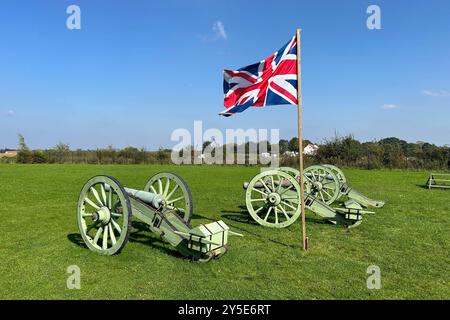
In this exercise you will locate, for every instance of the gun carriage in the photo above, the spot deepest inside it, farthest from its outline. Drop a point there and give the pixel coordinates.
(106, 208)
(273, 196)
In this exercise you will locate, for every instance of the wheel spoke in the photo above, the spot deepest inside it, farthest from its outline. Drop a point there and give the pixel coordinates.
(160, 187)
(116, 225)
(321, 196)
(110, 195)
(92, 226)
(96, 196)
(92, 204)
(172, 192)
(268, 212)
(289, 198)
(258, 199)
(276, 215)
(263, 193)
(105, 239)
(97, 235)
(280, 185)
(265, 186)
(284, 211)
(273, 183)
(286, 189)
(329, 195)
(288, 205)
(308, 178)
(153, 190)
(175, 200)
(111, 233)
(116, 215)
(102, 189)
(259, 209)
(86, 214)
(166, 189)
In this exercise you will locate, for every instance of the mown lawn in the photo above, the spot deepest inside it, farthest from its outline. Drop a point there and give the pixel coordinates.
(408, 239)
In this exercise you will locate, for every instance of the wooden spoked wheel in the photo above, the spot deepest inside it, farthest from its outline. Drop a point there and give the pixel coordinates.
(322, 184)
(174, 191)
(272, 199)
(291, 171)
(104, 215)
(338, 172)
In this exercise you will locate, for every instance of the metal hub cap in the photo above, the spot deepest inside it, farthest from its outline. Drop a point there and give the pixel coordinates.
(274, 199)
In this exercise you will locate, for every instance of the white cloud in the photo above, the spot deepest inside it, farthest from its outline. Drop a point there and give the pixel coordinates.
(219, 30)
(9, 113)
(390, 106)
(441, 93)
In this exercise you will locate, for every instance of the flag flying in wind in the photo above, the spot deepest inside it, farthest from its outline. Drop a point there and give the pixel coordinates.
(273, 81)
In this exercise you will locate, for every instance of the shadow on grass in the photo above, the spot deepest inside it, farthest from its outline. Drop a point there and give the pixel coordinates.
(140, 233)
(422, 186)
(77, 239)
(243, 217)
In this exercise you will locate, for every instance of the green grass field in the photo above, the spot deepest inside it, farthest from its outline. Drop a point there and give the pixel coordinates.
(408, 239)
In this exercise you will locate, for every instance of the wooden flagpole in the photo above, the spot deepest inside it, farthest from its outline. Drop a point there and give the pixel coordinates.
(300, 140)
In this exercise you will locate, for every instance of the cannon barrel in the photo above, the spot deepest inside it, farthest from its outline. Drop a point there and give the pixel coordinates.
(150, 198)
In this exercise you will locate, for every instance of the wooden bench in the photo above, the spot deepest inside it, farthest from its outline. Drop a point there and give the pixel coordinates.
(439, 180)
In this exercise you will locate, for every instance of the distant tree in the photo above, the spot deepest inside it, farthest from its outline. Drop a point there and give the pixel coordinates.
(283, 146)
(293, 144)
(350, 149)
(162, 156)
(62, 152)
(24, 155)
(39, 157)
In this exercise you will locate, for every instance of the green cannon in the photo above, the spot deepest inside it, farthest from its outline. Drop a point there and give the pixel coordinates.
(273, 200)
(106, 208)
(273, 196)
(328, 183)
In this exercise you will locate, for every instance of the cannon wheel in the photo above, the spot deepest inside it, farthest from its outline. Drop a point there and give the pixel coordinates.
(295, 173)
(338, 172)
(271, 204)
(291, 171)
(104, 215)
(332, 191)
(322, 183)
(174, 191)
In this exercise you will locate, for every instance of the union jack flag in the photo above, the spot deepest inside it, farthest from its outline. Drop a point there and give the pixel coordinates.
(272, 81)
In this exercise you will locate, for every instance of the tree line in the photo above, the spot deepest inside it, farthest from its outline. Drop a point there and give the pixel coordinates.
(62, 153)
(343, 151)
(392, 153)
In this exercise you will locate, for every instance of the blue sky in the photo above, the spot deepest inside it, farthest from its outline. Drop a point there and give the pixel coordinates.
(139, 69)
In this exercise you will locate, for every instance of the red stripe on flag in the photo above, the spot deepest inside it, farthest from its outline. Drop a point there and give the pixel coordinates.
(284, 92)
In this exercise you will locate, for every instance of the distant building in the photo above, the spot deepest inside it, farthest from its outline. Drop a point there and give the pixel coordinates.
(311, 149)
(8, 154)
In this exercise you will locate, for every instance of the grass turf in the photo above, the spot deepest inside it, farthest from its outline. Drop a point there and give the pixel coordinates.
(408, 239)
